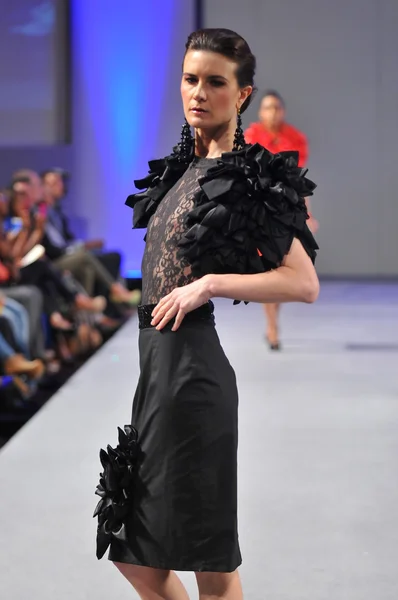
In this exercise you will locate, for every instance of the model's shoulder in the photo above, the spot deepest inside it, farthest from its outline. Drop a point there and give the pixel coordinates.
(162, 175)
(249, 208)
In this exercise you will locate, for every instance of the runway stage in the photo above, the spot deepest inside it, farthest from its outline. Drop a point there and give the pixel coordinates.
(318, 466)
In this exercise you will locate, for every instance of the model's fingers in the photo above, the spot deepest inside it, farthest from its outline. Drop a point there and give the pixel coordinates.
(160, 305)
(158, 316)
(178, 320)
(167, 317)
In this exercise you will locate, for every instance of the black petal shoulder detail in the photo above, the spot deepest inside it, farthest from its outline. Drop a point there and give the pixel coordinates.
(163, 174)
(116, 488)
(248, 211)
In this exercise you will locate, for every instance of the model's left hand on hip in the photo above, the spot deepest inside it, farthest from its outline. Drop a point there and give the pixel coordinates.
(179, 302)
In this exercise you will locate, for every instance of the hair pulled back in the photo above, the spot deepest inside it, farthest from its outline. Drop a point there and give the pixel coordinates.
(232, 46)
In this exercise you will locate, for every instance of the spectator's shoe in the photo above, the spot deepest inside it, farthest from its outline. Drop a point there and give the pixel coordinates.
(120, 295)
(106, 323)
(59, 323)
(18, 365)
(22, 386)
(96, 305)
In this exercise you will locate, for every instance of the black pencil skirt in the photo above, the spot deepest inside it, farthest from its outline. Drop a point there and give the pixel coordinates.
(182, 510)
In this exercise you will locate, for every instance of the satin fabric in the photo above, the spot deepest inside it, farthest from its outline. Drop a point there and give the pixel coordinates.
(183, 515)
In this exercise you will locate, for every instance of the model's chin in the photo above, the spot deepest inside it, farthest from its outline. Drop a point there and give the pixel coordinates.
(198, 120)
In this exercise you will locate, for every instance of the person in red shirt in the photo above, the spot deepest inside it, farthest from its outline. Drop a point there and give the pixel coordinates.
(276, 135)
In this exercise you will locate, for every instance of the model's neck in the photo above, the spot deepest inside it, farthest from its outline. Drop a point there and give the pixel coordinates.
(273, 129)
(211, 144)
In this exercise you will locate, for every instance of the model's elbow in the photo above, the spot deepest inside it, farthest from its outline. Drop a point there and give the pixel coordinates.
(310, 289)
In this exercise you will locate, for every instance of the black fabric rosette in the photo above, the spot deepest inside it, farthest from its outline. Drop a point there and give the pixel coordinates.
(116, 488)
(163, 174)
(250, 207)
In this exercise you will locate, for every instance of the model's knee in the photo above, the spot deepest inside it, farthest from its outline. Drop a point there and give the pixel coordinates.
(144, 579)
(219, 585)
(129, 571)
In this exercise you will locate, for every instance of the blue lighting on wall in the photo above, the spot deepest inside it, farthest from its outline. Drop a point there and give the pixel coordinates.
(122, 61)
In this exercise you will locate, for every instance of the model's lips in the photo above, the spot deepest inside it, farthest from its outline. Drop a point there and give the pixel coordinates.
(198, 110)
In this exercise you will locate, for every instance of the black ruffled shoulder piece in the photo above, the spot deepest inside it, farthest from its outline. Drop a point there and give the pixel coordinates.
(247, 213)
(163, 174)
(116, 488)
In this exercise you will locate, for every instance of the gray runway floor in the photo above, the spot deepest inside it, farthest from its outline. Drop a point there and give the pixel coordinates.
(318, 461)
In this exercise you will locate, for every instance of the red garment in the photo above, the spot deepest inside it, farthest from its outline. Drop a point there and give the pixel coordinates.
(4, 273)
(287, 138)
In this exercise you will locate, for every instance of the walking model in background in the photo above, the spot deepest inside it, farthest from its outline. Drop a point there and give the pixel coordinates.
(273, 133)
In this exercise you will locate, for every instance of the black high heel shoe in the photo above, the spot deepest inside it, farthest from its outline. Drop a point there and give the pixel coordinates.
(273, 345)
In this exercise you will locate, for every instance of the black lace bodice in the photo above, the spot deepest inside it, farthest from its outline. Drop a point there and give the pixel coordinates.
(236, 214)
(163, 267)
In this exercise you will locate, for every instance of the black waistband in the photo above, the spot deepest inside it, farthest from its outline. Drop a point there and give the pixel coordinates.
(204, 313)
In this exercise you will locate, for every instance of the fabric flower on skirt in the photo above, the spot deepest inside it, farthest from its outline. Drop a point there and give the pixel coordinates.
(116, 488)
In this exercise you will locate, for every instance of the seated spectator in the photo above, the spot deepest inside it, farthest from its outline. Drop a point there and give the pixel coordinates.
(73, 257)
(17, 316)
(28, 296)
(55, 184)
(31, 299)
(58, 296)
(58, 232)
(12, 359)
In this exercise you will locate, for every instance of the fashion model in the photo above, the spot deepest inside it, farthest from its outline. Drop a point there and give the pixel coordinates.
(224, 219)
(274, 133)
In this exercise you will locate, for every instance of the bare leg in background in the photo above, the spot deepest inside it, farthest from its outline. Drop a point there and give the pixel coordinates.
(272, 317)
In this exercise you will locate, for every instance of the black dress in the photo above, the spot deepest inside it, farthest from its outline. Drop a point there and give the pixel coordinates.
(169, 489)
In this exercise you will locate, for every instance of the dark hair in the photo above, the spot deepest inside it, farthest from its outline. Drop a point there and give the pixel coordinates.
(65, 176)
(274, 94)
(56, 171)
(22, 176)
(19, 179)
(232, 46)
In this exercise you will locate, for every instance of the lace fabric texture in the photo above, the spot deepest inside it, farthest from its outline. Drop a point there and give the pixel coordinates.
(163, 267)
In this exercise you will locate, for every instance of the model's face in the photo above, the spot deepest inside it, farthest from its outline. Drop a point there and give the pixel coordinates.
(209, 89)
(55, 185)
(272, 113)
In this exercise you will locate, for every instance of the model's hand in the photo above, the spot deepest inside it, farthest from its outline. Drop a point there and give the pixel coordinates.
(179, 302)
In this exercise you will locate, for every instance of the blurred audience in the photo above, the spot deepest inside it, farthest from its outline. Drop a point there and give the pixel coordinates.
(58, 295)
(60, 242)
(15, 341)
(61, 247)
(39, 271)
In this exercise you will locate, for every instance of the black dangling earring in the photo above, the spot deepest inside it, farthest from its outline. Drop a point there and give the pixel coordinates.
(239, 139)
(187, 143)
